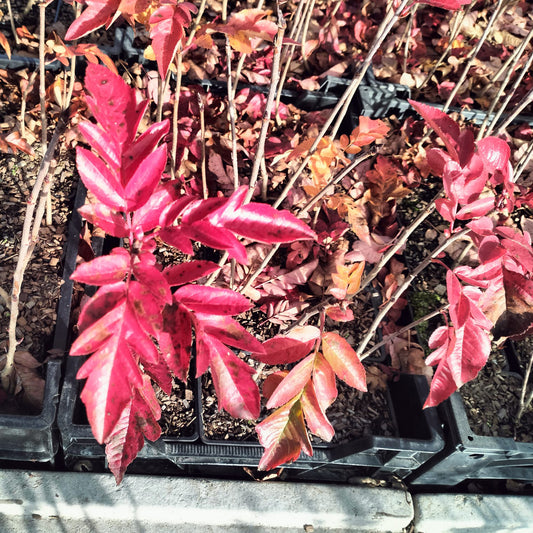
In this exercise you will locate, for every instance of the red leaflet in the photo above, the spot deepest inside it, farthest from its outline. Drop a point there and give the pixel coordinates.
(109, 220)
(103, 143)
(148, 216)
(186, 272)
(111, 373)
(138, 420)
(289, 348)
(114, 104)
(263, 223)
(229, 331)
(107, 297)
(104, 270)
(212, 300)
(97, 13)
(283, 435)
(152, 278)
(143, 183)
(237, 392)
(446, 128)
(100, 180)
(176, 339)
(324, 382)
(168, 22)
(344, 361)
(445, 4)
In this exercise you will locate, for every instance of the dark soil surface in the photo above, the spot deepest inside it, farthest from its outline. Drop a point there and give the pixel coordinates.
(492, 402)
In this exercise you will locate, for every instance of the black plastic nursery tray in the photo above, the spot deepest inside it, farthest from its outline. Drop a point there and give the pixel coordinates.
(471, 456)
(419, 438)
(35, 438)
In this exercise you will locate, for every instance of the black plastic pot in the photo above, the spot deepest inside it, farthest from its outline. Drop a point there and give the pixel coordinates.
(379, 99)
(471, 456)
(35, 438)
(16, 62)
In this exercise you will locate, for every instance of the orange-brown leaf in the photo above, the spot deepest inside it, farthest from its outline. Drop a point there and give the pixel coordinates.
(5, 44)
(344, 361)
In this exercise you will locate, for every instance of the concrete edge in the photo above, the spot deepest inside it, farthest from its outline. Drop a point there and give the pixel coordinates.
(83, 502)
(466, 513)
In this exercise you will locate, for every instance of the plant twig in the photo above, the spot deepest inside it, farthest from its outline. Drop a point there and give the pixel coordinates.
(495, 14)
(28, 241)
(205, 192)
(274, 79)
(412, 325)
(407, 36)
(525, 403)
(518, 109)
(516, 84)
(12, 22)
(457, 25)
(175, 116)
(344, 100)
(23, 103)
(526, 158)
(400, 241)
(402, 288)
(42, 98)
(197, 20)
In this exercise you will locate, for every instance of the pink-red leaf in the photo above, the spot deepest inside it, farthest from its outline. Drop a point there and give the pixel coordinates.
(289, 348)
(315, 416)
(263, 223)
(146, 177)
(100, 180)
(110, 221)
(102, 142)
(187, 272)
(176, 339)
(114, 104)
(237, 392)
(228, 331)
(324, 382)
(104, 270)
(344, 361)
(111, 374)
(137, 421)
(168, 23)
(212, 300)
(97, 13)
(446, 128)
(106, 298)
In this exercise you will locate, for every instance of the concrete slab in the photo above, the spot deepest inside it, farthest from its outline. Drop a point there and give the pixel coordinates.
(473, 513)
(50, 502)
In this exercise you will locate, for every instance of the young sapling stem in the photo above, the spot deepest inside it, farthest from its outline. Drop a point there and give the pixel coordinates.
(274, 79)
(175, 115)
(412, 325)
(29, 237)
(525, 403)
(403, 287)
(516, 84)
(205, 191)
